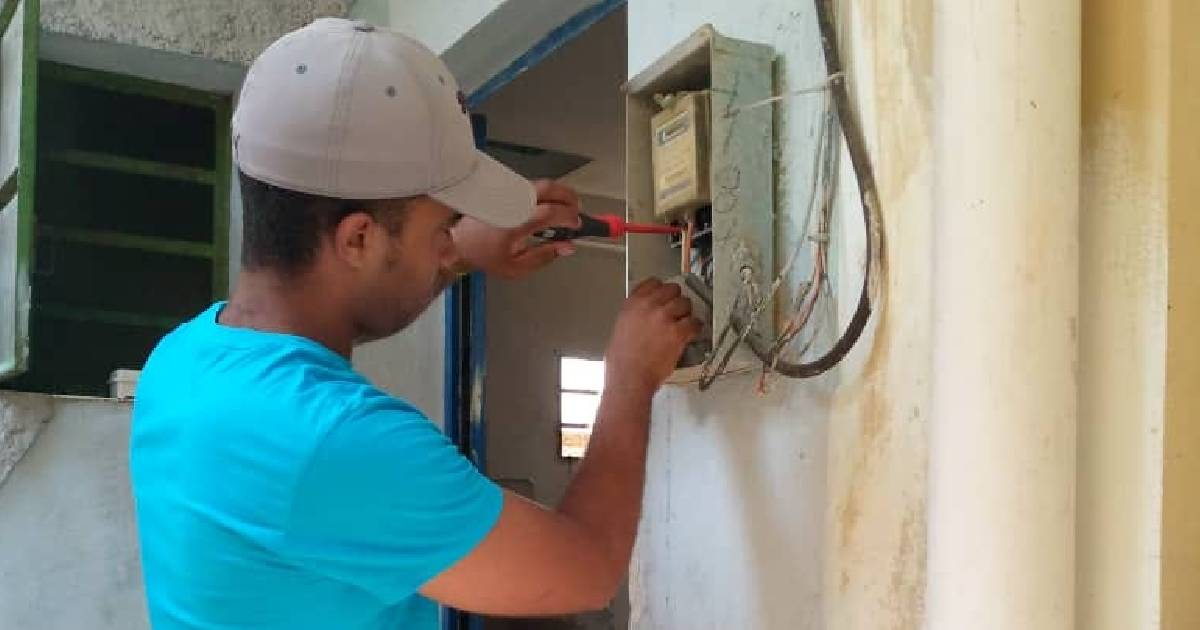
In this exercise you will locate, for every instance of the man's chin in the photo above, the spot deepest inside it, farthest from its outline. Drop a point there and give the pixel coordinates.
(379, 335)
(393, 327)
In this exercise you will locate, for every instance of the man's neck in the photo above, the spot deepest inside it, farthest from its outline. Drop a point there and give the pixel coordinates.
(265, 301)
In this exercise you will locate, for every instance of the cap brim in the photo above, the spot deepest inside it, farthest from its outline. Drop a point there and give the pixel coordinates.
(493, 194)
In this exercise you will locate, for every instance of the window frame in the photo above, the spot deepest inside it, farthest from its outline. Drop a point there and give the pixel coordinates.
(18, 187)
(218, 177)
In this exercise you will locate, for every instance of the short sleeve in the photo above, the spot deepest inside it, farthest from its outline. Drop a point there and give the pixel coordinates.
(387, 502)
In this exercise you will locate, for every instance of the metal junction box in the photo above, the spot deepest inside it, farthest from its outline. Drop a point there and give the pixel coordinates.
(687, 122)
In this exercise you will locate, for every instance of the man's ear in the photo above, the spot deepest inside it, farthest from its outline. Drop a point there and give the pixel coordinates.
(353, 237)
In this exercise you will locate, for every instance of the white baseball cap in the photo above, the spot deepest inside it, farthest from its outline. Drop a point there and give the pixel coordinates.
(347, 110)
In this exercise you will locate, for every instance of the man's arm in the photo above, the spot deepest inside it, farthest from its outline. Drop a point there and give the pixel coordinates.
(538, 561)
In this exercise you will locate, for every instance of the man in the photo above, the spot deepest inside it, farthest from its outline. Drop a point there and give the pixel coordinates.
(275, 487)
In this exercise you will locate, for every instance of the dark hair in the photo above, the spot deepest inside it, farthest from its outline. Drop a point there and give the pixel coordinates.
(282, 229)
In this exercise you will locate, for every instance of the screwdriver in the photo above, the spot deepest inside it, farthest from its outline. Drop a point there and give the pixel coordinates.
(604, 226)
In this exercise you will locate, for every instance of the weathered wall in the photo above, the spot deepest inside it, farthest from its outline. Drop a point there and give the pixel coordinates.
(805, 508)
(1138, 521)
(876, 529)
(68, 544)
(226, 30)
(1138, 96)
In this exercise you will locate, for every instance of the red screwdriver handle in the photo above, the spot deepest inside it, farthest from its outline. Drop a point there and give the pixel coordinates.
(605, 226)
(618, 227)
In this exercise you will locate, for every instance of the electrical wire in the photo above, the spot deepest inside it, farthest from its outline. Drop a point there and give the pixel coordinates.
(820, 201)
(824, 180)
(820, 87)
(868, 194)
(770, 351)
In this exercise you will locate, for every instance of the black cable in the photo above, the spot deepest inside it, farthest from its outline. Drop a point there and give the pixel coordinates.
(856, 146)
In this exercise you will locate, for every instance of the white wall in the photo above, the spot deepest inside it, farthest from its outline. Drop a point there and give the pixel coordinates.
(68, 545)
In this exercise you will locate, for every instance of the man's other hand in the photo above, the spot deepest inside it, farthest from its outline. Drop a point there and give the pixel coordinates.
(507, 253)
(652, 330)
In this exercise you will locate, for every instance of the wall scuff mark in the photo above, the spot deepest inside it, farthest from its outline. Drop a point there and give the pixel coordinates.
(22, 417)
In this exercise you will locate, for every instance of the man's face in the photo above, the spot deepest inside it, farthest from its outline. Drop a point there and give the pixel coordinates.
(403, 270)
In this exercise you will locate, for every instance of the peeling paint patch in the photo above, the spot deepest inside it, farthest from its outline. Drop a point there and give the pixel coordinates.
(872, 426)
(873, 407)
(906, 598)
(877, 578)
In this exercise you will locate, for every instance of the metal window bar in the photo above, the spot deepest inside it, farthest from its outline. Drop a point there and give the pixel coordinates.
(174, 247)
(132, 166)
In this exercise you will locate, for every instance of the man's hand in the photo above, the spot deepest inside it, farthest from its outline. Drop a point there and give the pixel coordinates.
(507, 253)
(651, 332)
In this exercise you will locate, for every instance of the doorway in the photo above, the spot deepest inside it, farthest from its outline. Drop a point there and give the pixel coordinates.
(561, 119)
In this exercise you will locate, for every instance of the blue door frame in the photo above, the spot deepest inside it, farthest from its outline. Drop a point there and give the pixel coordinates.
(466, 300)
(466, 341)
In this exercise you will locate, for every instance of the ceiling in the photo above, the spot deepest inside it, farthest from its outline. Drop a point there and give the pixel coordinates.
(572, 102)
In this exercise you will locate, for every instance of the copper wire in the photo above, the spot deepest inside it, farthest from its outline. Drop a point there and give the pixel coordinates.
(685, 265)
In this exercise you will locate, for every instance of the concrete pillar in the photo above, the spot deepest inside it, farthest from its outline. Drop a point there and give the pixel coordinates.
(1005, 303)
(1181, 496)
(1123, 308)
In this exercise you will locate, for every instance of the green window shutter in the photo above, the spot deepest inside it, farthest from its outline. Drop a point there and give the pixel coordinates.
(18, 158)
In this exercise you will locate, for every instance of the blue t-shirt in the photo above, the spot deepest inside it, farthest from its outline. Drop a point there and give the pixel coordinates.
(276, 488)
